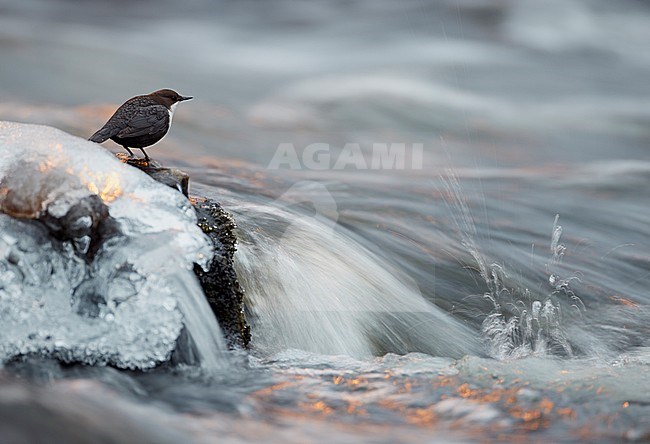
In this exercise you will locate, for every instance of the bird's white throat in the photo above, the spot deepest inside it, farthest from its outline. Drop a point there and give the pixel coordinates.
(172, 109)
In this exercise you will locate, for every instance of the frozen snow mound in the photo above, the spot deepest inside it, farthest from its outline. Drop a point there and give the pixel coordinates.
(95, 257)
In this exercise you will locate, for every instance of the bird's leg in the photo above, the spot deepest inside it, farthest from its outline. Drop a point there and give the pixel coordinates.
(130, 152)
(145, 154)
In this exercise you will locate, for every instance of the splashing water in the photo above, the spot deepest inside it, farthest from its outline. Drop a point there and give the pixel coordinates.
(311, 286)
(520, 323)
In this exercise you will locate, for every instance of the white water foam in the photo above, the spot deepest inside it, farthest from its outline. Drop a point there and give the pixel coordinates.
(311, 286)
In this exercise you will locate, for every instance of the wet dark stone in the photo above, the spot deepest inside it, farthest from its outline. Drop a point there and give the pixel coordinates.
(172, 177)
(88, 299)
(87, 224)
(220, 283)
(185, 351)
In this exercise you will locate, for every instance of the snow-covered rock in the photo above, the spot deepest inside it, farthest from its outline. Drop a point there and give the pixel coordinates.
(96, 257)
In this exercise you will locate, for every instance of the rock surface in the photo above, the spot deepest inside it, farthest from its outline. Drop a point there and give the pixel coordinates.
(87, 224)
(96, 258)
(219, 282)
(172, 177)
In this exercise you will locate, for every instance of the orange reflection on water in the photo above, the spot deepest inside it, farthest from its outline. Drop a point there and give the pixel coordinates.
(269, 390)
(316, 407)
(355, 408)
(624, 301)
(567, 412)
(420, 417)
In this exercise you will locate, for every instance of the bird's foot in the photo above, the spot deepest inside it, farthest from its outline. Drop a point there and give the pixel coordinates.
(123, 157)
(132, 160)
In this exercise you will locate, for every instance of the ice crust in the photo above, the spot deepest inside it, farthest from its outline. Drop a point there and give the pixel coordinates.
(127, 305)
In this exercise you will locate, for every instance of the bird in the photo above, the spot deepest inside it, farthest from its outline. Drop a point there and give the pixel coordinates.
(141, 121)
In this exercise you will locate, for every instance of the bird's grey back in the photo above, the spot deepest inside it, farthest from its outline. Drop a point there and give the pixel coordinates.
(130, 110)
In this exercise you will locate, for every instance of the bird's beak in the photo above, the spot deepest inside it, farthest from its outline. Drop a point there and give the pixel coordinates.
(186, 98)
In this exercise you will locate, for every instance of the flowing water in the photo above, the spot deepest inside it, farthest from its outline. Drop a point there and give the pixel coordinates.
(499, 292)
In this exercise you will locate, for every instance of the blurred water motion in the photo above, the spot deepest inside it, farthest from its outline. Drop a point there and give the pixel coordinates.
(502, 82)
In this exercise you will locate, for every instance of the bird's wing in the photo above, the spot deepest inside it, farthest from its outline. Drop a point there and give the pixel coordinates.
(118, 120)
(105, 133)
(147, 120)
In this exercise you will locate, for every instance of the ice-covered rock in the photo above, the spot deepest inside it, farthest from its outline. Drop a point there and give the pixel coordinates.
(96, 258)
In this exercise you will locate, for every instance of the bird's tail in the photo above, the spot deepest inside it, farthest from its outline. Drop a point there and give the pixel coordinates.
(100, 136)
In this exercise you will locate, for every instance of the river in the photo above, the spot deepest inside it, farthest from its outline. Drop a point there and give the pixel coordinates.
(492, 286)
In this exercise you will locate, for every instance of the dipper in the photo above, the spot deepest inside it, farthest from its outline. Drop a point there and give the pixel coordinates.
(141, 121)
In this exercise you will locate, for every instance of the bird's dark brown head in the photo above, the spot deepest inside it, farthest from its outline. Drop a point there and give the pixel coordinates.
(168, 97)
